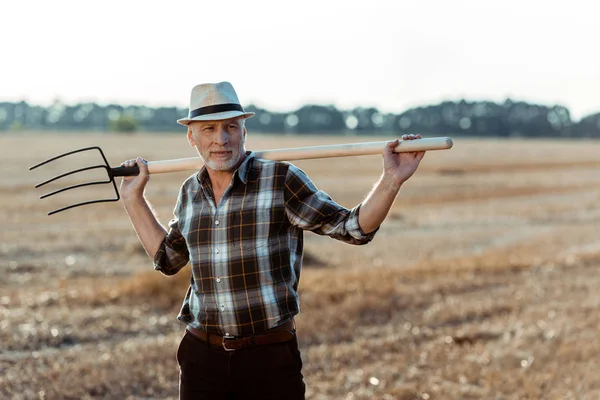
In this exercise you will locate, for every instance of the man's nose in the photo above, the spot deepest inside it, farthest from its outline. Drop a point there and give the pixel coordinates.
(221, 136)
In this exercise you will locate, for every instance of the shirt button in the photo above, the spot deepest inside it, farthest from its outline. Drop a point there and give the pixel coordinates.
(216, 222)
(222, 308)
(217, 251)
(218, 280)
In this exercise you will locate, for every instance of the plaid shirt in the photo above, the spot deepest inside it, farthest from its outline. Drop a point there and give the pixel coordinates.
(246, 254)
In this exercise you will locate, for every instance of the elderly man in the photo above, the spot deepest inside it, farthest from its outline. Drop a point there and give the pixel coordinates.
(239, 223)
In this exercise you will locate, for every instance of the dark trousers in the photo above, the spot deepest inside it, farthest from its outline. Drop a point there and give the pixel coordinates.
(266, 372)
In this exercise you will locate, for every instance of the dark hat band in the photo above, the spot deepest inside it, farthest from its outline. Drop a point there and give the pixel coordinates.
(215, 109)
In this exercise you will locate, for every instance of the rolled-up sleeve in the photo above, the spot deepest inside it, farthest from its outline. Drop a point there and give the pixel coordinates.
(311, 209)
(173, 253)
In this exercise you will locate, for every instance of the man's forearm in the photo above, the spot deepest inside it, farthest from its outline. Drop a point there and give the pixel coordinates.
(377, 204)
(149, 230)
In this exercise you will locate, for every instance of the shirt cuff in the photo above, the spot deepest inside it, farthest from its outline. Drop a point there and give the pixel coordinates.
(353, 228)
(160, 257)
(167, 261)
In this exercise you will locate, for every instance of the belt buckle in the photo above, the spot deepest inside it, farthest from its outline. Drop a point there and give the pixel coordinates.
(225, 339)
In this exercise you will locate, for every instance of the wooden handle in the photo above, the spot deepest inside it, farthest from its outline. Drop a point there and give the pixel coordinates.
(306, 153)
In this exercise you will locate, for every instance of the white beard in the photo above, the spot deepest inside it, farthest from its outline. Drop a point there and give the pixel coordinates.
(229, 164)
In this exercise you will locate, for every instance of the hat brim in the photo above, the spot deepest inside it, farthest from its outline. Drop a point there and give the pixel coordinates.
(216, 117)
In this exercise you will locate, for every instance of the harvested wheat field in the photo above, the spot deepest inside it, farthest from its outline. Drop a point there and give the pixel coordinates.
(481, 284)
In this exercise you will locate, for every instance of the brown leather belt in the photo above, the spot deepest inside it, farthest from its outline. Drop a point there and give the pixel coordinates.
(279, 334)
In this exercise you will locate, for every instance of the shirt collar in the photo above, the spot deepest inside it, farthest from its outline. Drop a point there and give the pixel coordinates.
(245, 166)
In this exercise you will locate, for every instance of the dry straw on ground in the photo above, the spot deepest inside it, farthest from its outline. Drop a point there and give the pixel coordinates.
(482, 283)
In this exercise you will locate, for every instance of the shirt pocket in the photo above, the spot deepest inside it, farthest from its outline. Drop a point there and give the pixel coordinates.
(251, 229)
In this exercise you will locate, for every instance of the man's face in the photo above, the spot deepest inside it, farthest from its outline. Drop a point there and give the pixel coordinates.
(221, 144)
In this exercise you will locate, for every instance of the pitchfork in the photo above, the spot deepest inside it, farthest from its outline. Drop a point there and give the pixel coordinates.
(195, 163)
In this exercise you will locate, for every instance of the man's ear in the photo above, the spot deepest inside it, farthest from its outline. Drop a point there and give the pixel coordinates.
(190, 137)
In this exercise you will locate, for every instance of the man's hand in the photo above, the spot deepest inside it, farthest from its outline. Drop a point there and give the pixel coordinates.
(132, 187)
(400, 166)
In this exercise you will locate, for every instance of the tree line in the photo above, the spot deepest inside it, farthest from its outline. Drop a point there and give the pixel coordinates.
(471, 118)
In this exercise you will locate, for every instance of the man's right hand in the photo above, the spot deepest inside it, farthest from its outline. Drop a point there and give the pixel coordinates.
(132, 187)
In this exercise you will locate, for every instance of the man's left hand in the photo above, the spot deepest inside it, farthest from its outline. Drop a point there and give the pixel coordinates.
(401, 166)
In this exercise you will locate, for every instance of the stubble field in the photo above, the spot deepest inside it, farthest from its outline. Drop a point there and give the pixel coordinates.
(481, 284)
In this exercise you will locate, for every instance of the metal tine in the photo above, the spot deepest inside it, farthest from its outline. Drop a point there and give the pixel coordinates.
(68, 154)
(71, 173)
(82, 204)
(73, 187)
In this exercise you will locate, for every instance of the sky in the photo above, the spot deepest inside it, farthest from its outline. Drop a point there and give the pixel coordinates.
(279, 55)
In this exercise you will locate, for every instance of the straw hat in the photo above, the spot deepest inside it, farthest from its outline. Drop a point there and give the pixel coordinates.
(214, 101)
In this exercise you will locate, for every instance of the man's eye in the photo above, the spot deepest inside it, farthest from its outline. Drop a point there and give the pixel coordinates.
(233, 126)
(208, 129)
